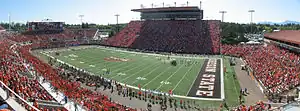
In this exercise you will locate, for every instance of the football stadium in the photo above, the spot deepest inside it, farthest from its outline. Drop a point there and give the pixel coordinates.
(171, 59)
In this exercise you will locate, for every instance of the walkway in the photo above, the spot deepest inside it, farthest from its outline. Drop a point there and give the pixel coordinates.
(246, 82)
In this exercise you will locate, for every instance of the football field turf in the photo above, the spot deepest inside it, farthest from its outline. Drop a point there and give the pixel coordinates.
(150, 71)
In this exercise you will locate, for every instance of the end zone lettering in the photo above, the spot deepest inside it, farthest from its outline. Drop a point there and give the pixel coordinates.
(207, 84)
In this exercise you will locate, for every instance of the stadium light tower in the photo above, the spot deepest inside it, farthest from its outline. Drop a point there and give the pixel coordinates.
(223, 13)
(117, 15)
(81, 17)
(187, 3)
(152, 5)
(200, 5)
(9, 24)
(251, 15)
(175, 4)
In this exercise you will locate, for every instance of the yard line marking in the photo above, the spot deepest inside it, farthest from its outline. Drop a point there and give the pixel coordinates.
(175, 56)
(93, 59)
(129, 69)
(157, 76)
(170, 76)
(125, 67)
(81, 62)
(139, 71)
(147, 74)
(183, 78)
(114, 65)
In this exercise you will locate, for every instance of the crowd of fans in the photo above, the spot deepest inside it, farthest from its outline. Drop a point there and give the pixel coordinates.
(14, 75)
(92, 100)
(126, 36)
(277, 69)
(180, 36)
(214, 31)
(68, 37)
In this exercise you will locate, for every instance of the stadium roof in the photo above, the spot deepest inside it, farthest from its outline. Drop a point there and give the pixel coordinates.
(194, 8)
(291, 36)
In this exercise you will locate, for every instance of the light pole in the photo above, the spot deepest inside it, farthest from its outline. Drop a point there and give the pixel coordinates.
(251, 15)
(81, 18)
(220, 47)
(9, 27)
(223, 13)
(200, 5)
(117, 15)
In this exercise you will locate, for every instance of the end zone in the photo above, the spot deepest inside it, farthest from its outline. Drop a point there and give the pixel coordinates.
(209, 83)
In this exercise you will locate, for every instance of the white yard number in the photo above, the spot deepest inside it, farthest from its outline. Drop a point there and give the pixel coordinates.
(122, 74)
(165, 82)
(140, 78)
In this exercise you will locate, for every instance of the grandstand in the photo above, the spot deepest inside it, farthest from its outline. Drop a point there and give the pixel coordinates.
(171, 29)
(169, 58)
(288, 39)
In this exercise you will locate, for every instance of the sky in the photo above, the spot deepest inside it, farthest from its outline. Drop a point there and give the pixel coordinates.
(103, 11)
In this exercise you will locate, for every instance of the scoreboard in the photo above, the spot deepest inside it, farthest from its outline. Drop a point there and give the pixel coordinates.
(44, 26)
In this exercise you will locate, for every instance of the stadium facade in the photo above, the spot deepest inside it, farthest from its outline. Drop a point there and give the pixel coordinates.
(170, 13)
(170, 29)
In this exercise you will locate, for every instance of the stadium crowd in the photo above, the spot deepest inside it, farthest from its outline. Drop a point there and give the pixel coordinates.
(17, 63)
(72, 89)
(126, 36)
(274, 67)
(13, 74)
(68, 37)
(180, 36)
(277, 69)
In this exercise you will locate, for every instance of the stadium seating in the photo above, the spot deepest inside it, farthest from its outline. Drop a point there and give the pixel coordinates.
(277, 69)
(180, 36)
(214, 31)
(69, 37)
(1, 28)
(13, 74)
(71, 89)
(13, 69)
(126, 36)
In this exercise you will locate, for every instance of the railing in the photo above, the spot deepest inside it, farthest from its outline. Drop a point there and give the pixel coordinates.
(96, 33)
(19, 99)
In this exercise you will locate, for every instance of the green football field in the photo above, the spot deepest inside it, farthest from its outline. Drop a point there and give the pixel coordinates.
(150, 71)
